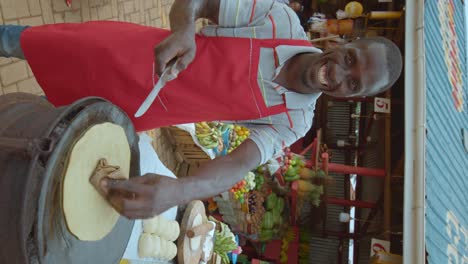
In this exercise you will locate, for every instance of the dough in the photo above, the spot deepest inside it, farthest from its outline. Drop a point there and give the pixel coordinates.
(172, 251)
(158, 246)
(146, 245)
(196, 241)
(88, 215)
(151, 225)
(175, 231)
(158, 225)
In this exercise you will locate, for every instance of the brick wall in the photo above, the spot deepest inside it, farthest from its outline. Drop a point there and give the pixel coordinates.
(15, 75)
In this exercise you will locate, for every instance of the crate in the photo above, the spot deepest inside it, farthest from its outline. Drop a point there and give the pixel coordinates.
(184, 146)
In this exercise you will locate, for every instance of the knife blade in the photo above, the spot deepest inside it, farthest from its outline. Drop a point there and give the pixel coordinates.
(156, 89)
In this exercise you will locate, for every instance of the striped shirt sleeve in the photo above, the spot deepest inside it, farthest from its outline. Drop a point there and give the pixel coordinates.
(271, 139)
(243, 13)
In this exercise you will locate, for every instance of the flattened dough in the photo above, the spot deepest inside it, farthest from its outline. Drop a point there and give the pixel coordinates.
(88, 215)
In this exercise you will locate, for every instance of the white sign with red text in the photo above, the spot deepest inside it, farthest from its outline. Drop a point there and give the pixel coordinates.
(379, 245)
(382, 105)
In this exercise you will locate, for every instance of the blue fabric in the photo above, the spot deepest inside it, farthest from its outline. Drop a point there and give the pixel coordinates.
(10, 41)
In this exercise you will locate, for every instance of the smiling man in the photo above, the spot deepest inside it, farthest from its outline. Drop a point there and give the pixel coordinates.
(254, 67)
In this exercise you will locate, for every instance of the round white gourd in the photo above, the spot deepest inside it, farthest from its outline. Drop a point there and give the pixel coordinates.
(172, 251)
(175, 231)
(151, 225)
(145, 245)
(165, 249)
(157, 249)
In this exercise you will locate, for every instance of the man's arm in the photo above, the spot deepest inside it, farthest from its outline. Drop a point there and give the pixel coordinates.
(184, 13)
(220, 174)
(180, 45)
(151, 194)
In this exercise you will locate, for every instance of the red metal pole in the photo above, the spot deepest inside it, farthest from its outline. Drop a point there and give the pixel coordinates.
(343, 202)
(361, 171)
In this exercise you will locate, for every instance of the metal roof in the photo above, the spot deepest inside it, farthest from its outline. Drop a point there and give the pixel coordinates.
(446, 115)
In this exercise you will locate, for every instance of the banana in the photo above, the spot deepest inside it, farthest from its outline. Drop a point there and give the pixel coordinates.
(212, 145)
(202, 135)
(205, 125)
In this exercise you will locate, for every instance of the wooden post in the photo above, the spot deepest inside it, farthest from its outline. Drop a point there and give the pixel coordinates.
(388, 175)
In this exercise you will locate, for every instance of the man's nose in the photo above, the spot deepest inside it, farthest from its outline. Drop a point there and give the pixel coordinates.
(341, 73)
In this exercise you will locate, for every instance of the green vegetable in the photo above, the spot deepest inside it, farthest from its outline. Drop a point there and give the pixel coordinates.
(271, 201)
(276, 217)
(280, 221)
(292, 178)
(280, 205)
(224, 241)
(292, 171)
(266, 234)
(268, 220)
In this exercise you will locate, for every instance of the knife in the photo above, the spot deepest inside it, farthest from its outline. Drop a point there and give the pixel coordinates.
(165, 77)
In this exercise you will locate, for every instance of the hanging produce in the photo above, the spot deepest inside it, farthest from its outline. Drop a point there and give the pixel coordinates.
(289, 237)
(310, 192)
(210, 135)
(292, 165)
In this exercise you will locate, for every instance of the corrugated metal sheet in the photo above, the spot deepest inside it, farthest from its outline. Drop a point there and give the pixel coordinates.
(325, 250)
(447, 160)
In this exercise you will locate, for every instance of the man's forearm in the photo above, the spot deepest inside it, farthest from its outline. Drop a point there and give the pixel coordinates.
(219, 175)
(184, 13)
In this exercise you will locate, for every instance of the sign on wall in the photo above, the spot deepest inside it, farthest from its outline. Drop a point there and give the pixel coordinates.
(378, 245)
(382, 105)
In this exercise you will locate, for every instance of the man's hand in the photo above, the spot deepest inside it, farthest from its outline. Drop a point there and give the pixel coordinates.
(141, 197)
(180, 47)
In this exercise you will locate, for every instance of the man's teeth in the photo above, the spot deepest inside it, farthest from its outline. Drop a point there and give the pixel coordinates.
(322, 75)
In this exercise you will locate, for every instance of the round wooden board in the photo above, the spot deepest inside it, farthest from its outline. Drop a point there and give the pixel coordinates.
(185, 254)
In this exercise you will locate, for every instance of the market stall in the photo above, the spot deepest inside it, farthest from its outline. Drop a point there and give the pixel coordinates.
(263, 208)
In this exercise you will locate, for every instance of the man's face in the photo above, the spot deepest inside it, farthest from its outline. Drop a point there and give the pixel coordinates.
(352, 69)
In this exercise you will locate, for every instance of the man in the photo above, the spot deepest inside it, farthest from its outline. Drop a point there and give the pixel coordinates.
(254, 67)
(299, 9)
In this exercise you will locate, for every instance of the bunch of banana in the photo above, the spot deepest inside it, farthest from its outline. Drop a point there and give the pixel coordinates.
(289, 236)
(207, 136)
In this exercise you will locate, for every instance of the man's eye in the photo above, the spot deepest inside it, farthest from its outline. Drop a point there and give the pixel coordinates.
(349, 60)
(354, 85)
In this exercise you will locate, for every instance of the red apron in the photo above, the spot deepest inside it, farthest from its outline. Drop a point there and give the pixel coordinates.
(114, 60)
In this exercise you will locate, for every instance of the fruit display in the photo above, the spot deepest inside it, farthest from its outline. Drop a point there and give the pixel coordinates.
(310, 192)
(259, 181)
(225, 241)
(238, 190)
(237, 136)
(210, 135)
(273, 218)
(256, 211)
(250, 181)
(305, 239)
(287, 239)
(244, 186)
(292, 164)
